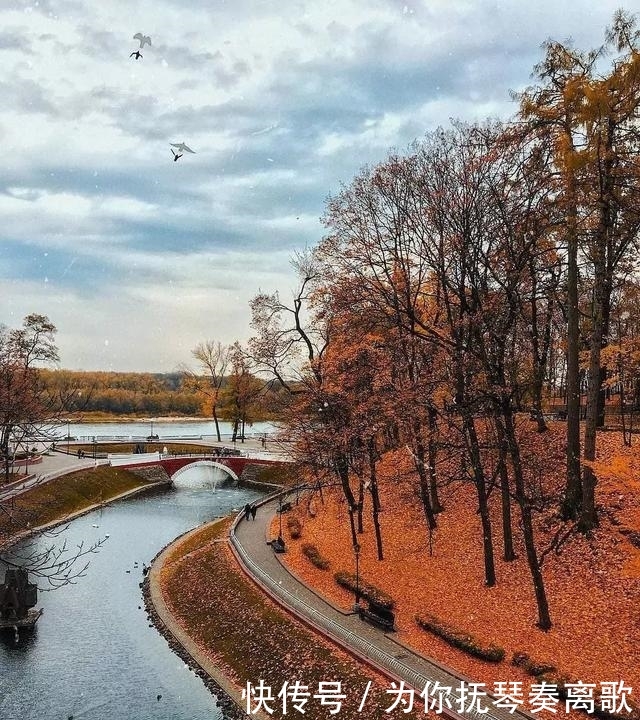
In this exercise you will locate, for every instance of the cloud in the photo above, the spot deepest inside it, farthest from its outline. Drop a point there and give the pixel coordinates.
(282, 103)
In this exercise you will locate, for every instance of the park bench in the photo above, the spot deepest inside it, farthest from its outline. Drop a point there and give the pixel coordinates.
(277, 545)
(286, 506)
(377, 615)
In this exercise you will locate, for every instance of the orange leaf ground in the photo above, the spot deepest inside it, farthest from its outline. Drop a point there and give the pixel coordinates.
(593, 586)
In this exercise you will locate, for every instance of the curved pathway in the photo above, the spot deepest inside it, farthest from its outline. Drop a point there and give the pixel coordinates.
(377, 648)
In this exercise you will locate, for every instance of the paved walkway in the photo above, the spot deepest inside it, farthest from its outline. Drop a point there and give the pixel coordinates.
(380, 649)
(53, 465)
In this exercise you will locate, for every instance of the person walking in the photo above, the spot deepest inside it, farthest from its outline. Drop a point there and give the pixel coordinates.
(247, 511)
(254, 510)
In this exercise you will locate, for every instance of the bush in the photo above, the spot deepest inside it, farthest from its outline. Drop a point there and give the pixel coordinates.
(294, 526)
(531, 667)
(461, 640)
(367, 591)
(311, 551)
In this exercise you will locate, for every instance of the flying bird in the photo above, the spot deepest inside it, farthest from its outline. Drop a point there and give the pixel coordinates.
(182, 147)
(143, 39)
(137, 54)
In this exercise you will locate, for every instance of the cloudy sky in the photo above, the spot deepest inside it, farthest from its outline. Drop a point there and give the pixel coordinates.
(137, 258)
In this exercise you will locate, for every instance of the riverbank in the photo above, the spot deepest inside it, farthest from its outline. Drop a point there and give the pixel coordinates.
(67, 497)
(234, 629)
(227, 694)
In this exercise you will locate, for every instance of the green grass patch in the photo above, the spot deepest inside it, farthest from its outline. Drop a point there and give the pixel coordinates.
(54, 500)
(460, 639)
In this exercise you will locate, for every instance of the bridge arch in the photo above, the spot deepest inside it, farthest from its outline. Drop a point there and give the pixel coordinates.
(206, 463)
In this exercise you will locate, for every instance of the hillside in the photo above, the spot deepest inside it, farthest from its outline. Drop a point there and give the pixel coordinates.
(593, 584)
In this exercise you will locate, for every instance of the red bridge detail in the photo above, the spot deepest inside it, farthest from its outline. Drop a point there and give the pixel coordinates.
(236, 464)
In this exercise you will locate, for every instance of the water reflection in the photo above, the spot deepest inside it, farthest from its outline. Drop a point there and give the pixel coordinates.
(93, 654)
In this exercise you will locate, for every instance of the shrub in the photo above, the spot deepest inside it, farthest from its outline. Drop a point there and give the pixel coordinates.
(531, 667)
(460, 639)
(311, 551)
(367, 591)
(294, 526)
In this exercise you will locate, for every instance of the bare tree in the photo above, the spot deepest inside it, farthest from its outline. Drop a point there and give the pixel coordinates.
(213, 358)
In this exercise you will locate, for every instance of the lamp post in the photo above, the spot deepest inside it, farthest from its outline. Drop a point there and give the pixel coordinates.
(68, 434)
(95, 445)
(280, 513)
(356, 549)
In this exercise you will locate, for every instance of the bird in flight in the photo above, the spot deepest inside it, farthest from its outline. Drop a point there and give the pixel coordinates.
(176, 155)
(137, 54)
(182, 147)
(143, 39)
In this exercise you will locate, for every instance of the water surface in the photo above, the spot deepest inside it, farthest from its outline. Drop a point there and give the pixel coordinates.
(93, 654)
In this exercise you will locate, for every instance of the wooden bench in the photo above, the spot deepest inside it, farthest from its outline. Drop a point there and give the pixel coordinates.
(277, 545)
(378, 616)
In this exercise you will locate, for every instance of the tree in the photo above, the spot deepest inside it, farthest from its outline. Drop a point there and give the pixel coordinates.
(214, 358)
(29, 409)
(25, 406)
(241, 391)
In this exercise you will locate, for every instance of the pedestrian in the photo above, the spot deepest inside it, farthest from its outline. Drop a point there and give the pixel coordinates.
(254, 510)
(247, 511)
(263, 441)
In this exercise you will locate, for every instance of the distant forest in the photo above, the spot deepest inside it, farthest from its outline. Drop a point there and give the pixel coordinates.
(119, 393)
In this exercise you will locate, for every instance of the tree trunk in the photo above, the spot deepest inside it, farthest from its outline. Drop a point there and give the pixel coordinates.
(505, 495)
(375, 496)
(573, 489)
(432, 450)
(423, 478)
(481, 490)
(215, 420)
(544, 618)
(341, 465)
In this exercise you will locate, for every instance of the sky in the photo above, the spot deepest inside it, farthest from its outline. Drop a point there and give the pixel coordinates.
(136, 258)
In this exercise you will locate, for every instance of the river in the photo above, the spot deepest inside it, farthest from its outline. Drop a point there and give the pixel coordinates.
(165, 429)
(93, 655)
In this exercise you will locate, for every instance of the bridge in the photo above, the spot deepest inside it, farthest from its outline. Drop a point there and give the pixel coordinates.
(234, 465)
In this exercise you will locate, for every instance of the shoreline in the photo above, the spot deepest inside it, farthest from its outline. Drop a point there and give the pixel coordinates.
(227, 694)
(24, 535)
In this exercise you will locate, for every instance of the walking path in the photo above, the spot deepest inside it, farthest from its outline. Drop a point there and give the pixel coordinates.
(377, 648)
(53, 465)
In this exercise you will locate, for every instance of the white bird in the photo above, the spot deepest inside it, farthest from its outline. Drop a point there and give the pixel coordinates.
(182, 147)
(143, 39)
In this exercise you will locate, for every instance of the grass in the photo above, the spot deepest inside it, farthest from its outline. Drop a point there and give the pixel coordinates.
(251, 639)
(53, 501)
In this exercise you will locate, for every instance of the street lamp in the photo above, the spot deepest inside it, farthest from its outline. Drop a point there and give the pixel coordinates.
(280, 513)
(356, 549)
(68, 434)
(95, 445)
